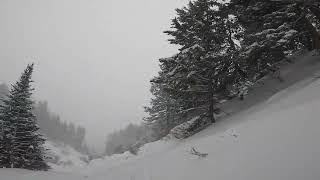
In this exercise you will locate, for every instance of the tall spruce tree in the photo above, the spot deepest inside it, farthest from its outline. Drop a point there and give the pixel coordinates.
(21, 145)
(198, 77)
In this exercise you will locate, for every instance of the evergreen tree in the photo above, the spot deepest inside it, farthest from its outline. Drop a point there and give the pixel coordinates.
(225, 48)
(21, 146)
(161, 112)
(203, 72)
(273, 30)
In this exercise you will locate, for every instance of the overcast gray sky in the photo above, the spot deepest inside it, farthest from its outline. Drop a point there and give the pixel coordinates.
(94, 58)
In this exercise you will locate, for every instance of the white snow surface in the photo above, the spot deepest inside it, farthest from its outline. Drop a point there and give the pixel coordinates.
(64, 158)
(274, 138)
(278, 141)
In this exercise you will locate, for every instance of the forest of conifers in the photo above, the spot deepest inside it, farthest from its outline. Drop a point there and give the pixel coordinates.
(225, 48)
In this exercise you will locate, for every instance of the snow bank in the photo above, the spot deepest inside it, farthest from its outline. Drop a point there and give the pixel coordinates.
(99, 166)
(64, 158)
(190, 127)
(19, 174)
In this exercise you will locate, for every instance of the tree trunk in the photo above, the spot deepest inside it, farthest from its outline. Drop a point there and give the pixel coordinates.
(231, 42)
(315, 40)
(211, 101)
(168, 117)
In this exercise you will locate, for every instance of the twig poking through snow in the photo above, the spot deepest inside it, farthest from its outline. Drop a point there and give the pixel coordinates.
(233, 133)
(197, 153)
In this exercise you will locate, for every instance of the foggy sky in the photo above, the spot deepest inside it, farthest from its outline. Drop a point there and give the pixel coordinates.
(93, 58)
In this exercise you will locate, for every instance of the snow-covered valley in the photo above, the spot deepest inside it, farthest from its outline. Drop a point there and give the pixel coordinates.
(275, 139)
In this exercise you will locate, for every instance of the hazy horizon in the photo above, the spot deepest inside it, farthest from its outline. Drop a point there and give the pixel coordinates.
(93, 59)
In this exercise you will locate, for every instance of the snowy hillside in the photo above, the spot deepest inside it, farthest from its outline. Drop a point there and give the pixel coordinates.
(276, 139)
(63, 157)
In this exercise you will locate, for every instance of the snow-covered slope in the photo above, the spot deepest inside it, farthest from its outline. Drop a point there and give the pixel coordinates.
(275, 138)
(19, 174)
(63, 157)
(278, 141)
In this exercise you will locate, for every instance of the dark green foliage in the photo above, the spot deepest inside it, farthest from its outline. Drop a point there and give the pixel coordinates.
(273, 30)
(162, 111)
(21, 145)
(225, 48)
(198, 77)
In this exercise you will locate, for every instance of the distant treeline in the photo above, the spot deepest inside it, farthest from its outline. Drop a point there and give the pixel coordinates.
(58, 130)
(128, 139)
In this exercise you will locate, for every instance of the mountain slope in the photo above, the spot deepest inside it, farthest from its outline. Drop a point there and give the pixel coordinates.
(274, 135)
(63, 157)
(276, 139)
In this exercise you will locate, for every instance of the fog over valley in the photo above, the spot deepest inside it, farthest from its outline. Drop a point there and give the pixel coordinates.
(93, 59)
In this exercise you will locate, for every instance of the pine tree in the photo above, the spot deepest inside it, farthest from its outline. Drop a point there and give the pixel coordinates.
(225, 47)
(273, 30)
(199, 75)
(22, 144)
(161, 112)
(4, 90)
